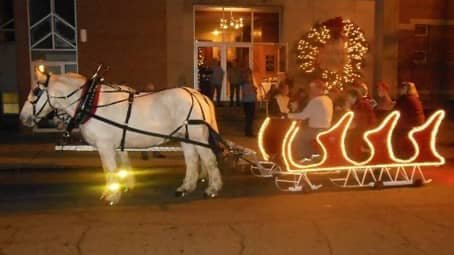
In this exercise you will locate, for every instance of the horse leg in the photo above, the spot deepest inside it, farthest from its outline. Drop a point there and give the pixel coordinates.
(210, 163)
(191, 159)
(112, 192)
(125, 174)
(203, 174)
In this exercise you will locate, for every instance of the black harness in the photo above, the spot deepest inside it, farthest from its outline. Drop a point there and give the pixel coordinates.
(87, 100)
(38, 92)
(86, 103)
(128, 116)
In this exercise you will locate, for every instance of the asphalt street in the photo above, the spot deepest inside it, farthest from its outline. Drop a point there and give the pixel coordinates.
(49, 205)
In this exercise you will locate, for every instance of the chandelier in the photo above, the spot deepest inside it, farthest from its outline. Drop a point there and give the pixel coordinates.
(232, 22)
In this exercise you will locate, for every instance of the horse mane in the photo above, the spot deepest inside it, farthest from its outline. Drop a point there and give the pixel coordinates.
(72, 78)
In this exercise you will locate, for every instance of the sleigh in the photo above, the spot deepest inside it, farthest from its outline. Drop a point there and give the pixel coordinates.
(381, 167)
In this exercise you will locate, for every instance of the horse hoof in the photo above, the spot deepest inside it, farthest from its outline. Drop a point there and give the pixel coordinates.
(180, 193)
(211, 195)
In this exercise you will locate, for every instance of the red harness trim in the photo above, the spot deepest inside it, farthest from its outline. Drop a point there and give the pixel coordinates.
(93, 106)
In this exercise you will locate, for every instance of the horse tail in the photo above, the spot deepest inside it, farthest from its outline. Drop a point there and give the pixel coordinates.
(213, 120)
(214, 139)
(209, 116)
(209, 110)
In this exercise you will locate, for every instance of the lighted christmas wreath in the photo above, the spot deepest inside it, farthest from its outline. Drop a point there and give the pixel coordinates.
(333, 51)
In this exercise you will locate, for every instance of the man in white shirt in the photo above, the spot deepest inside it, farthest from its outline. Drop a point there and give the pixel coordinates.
(318, 113)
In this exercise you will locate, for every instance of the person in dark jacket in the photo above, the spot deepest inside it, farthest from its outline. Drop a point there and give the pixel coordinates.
(279, 102)
(205, 80)
(249, 95)
(235, 76)
(411, 115)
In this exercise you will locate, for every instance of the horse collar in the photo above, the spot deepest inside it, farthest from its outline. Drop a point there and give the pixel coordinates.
(87, 104)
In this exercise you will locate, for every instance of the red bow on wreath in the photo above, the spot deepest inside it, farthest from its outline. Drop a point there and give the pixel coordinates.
(336, 27)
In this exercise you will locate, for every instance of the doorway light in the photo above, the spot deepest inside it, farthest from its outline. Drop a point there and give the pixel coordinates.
(216, 32)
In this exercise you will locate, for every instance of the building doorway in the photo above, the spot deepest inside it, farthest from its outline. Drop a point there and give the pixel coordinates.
(235, 37)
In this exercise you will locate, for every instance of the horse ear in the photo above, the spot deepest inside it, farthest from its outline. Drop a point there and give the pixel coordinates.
(40, 74)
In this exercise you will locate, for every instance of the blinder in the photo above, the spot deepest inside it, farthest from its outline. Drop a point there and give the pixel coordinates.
(37, 93)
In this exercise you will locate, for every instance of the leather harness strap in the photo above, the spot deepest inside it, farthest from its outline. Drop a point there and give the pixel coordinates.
(88, 105)
(188, 116)
(128, 116)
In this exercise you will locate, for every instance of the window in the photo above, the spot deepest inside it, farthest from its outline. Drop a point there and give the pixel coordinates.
(266, 27)
(234, 24)
(52, 25)
(6, 21)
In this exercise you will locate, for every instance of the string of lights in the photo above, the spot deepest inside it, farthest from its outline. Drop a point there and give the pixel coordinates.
(355, 45)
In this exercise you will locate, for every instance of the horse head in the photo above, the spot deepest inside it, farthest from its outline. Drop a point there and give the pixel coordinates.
(48, 94)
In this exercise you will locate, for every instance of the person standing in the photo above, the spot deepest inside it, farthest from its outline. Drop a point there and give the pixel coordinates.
(234, 75)
(204, 80)
(249, 93)
(217, 76)
(318, 113)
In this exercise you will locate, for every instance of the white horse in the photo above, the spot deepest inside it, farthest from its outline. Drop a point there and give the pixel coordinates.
(160, 112)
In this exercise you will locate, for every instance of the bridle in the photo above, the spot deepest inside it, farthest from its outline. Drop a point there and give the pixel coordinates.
(38, 92)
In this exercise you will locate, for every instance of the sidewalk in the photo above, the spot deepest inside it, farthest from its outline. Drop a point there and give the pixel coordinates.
(51, 212)
(19, 151)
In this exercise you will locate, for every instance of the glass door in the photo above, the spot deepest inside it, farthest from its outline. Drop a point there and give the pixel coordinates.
(229, 57)
(269, 65)
(238, 61)
(208, 56)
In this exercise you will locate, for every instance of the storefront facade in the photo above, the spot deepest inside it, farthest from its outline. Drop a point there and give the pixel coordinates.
(158, 42)
(162, 43)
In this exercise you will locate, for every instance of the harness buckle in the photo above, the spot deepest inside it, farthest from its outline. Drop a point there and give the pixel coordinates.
(66, 134)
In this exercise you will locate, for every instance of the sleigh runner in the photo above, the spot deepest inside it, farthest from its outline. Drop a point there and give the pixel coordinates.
(381, 167)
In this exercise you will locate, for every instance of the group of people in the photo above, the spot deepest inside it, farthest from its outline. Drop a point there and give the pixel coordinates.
(210, 80)
(241, 82)
(212, 76)
(320, 109)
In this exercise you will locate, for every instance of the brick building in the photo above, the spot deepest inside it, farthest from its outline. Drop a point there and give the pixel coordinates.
(161, 42)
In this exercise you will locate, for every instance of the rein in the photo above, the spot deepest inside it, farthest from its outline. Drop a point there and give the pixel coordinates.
(88, 105)
(38, 92)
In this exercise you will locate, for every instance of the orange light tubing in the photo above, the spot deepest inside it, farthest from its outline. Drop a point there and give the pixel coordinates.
(433, 121)
(262, 129)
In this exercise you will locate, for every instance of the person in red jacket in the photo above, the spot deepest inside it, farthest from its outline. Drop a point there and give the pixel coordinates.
(411, 115)
(364, 119)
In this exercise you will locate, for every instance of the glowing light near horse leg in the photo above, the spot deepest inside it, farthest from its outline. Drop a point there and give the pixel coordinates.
(114, 187)
(123, 173)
